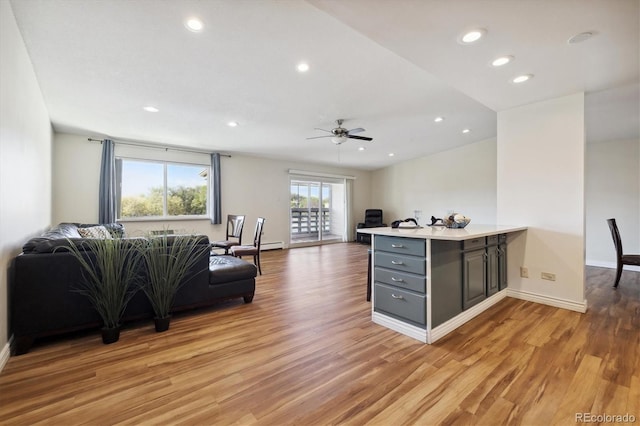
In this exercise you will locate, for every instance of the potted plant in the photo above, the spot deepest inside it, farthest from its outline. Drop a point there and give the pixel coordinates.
(110, 277)
(168, 258)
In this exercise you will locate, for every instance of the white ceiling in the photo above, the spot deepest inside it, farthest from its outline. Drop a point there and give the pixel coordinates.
(388, 66)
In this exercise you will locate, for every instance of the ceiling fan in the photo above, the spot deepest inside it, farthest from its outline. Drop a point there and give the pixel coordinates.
(339, 135)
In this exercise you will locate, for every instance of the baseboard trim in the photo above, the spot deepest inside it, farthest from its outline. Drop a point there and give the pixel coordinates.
(611, 265)
(400, 326)
(5, 354)
(547, 300)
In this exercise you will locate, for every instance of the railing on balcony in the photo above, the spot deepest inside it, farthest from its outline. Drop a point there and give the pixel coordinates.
(305, 222)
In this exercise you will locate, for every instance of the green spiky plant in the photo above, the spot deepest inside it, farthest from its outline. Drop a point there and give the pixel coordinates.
(110, 276)
(168, 259)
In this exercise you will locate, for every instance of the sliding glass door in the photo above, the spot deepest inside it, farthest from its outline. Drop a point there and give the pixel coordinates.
(317, 211)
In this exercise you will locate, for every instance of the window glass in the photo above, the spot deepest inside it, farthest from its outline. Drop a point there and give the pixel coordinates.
(155, 189)
(186, 190)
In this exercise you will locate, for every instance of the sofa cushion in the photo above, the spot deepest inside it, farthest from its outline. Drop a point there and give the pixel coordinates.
(224, 269)
(95, 232)
(57, 236)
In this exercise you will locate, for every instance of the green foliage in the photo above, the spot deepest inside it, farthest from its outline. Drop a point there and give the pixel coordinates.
(110, 274)
(168, 259)
(299, 201)
(181, 200)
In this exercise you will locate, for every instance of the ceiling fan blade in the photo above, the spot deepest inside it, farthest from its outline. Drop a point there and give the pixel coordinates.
(318, 137)
(362, 138)
(356, 130)
(316, 128)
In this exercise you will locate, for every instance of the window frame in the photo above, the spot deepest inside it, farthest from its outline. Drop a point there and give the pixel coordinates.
(165, 216)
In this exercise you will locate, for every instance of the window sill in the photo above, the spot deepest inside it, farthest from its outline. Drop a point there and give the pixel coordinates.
(162, 219)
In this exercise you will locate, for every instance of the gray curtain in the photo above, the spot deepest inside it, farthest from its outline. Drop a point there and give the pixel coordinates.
(216, 205)
(107, 194)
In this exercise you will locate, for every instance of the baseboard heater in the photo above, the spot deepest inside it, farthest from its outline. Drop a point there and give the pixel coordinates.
(274, 245)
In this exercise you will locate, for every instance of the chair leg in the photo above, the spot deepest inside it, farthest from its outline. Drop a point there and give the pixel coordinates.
(256, 260)
(618, 274)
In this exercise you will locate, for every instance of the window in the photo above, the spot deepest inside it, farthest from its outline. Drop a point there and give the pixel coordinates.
(160, 189)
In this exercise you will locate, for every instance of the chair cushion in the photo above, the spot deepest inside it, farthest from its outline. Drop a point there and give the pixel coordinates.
(224, 269)
(224, 244)
(631, 259)
(244, 250)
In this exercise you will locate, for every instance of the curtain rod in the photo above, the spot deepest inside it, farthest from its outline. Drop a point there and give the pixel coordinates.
(166, 148)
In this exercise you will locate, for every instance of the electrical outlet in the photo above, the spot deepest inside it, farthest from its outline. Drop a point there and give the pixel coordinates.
(524, 272)
(548, 276)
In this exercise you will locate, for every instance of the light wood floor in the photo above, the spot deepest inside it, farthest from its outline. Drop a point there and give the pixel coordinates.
(305, 352)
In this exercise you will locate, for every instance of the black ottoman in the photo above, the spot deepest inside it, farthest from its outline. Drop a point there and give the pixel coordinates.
(232, 277)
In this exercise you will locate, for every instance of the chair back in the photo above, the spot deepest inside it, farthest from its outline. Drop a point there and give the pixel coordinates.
(235, 223)
(615, 234)
(257, 235)
(373, 218)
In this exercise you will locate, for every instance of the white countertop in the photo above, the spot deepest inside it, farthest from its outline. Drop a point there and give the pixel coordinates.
(444, 233)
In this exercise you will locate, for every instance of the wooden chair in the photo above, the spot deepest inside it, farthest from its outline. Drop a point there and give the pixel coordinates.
(254, 250)
(235, 223)
(622, 259)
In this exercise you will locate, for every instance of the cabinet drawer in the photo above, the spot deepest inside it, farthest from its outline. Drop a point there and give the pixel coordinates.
(400, 303)
(401, 279)
(493, 240)
(411, 246)
(414, 265)
(473, 243)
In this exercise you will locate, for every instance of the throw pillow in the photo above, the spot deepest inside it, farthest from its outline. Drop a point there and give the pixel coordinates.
(95, 232)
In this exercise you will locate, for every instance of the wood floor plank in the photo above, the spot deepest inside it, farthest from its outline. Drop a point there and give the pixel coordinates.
(306, 352)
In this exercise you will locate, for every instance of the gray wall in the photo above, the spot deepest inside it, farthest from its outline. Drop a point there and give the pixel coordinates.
(612, 189)
(25, 156)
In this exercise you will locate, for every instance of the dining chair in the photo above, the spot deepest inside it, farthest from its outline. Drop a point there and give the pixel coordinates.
(622, 259)
(254, 250)
(235, 223)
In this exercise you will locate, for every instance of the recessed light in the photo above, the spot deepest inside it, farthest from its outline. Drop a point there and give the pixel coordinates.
(522, 78)
(579, 38)
(438, 119)
(502, 60)
(362, 148)
(466, 130)
(303, 67)
(391, 154)
(150, 108)
(472, 36)
(232, 124)
(194, 24)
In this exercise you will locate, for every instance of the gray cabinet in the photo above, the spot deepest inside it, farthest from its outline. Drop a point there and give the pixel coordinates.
(400, 279)
(496, 263)
(446, 286)
(474, 277)
(484, 268)
(463, 274)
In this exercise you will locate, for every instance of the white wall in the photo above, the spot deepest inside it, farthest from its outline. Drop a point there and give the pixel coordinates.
(461, 179)
(612, 189)
(25, 157)
(250, 185)
(540, 179)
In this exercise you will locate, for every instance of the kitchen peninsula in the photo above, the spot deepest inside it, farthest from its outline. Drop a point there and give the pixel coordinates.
(426, 282)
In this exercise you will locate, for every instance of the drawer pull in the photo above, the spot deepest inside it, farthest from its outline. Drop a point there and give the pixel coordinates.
(397, 262)
(397, 245)
(395, 296)
(397, 280)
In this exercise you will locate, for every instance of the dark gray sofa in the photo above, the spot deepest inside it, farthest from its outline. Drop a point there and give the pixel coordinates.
(43, 276)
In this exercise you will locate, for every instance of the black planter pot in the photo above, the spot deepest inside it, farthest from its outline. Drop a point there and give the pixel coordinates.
(162, 324)
(110, 335)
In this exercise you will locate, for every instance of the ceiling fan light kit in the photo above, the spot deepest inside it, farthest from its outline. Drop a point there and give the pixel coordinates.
(340, 135)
